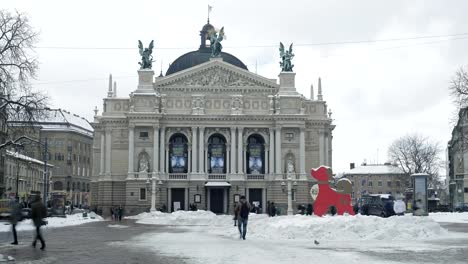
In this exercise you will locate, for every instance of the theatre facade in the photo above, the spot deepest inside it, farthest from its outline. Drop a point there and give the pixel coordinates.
(206, 133)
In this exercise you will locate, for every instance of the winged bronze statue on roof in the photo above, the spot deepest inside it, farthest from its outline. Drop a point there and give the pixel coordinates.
(286, 58)
(215, 42)
(146, 55)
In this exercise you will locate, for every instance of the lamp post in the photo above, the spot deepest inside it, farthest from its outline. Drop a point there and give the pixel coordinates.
(290, 209)
(153, 192)
(18, 147)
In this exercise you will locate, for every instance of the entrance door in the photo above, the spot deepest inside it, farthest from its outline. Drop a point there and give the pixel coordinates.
(178, 199)
(255, 197)
(217, 201)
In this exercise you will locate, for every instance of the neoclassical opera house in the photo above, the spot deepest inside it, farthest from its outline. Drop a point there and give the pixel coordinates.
(206, 133)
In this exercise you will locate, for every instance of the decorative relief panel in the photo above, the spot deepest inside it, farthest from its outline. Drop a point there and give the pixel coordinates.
(198, 104)
(237, 105)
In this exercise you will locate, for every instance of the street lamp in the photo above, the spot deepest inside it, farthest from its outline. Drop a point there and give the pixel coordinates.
(153, 191)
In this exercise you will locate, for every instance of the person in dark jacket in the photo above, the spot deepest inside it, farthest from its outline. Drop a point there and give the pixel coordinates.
(15, 217)
(272, 209)
(38, 213)
(242, 211)
(120, 212)
(309, 209)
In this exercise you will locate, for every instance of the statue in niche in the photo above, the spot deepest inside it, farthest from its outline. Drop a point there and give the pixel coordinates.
(290, 166)
(143, 163)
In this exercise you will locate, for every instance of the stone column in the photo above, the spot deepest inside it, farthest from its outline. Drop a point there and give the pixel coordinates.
(233, 150)
(201, 144)
(327, 147)
(108, 151)
(321, 135)
(271, 153)
(162, 144)
(167, 157)
(103, 145)
(131, 149)
(156, 150)
(302, 150)
(228, 158)
(189, 170)
(194, 149)
(278, 150)
(153, 195)
(240, 145)
(267, 165)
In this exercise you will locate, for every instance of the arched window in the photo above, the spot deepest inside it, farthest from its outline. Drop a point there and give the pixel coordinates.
(73, 186)
(216, 154)
(78, 186)
(255, 154)
(58, 186)
(178, 153)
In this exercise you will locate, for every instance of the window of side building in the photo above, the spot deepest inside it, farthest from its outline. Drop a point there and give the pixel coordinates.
(380, 183)
(370, 183)
(142, 194)
(389, 184)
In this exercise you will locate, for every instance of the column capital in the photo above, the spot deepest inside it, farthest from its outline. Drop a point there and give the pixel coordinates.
(302, 128)
(108, 130)
(202, 128)
(155, 127)
(131, 125)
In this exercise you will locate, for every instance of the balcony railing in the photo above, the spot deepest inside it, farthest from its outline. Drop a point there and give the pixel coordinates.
(294, 176)
(255, 176)
(216, 176)
(177, 176)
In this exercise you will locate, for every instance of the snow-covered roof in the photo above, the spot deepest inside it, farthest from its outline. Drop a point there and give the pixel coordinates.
(25, 158)
(375, 169)
(62, 120)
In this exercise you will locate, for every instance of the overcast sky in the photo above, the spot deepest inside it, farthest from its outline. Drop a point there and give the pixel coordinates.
(377, 91)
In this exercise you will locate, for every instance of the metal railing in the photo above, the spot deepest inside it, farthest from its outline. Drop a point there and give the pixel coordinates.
(177, 176)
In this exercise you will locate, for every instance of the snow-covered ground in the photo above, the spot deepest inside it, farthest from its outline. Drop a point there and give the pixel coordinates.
(53, 222)
(450, 217)
(209, 238)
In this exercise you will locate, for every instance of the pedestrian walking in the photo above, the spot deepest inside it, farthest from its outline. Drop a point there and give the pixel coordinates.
(112, 213)
(38, 213)
(242, 211)
(120, 212)
(15, 217)
(272, 209)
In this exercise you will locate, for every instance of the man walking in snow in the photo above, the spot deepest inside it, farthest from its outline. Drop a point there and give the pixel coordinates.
(15, 217)
(38, 213)
(242, 212)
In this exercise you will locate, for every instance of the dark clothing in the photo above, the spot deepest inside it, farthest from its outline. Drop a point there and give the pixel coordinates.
(15, 236)
(309, 209)
(120, 212)
(244, 210)
(38, 213)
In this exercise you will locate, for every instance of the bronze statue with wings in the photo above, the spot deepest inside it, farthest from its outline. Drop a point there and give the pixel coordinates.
(286, 58)
(146, 57)
(215, 42)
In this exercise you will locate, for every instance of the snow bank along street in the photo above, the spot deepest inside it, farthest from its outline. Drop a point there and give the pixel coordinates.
(210, 238)
(53, 222)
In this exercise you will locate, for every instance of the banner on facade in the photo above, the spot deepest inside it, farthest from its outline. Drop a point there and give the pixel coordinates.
(255, 159)
(217, 158)
(178, 159)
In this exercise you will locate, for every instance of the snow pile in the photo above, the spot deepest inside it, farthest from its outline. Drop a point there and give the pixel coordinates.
(54, 222)
(186, 218)
(450, 217)
(344, 228)
(331, 228)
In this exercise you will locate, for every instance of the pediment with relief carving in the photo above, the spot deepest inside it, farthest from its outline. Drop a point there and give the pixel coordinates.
(217, 75)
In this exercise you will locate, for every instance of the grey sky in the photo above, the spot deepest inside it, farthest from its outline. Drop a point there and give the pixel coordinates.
(377, 91)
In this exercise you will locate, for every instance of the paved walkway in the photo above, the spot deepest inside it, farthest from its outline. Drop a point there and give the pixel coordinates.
(88, 243)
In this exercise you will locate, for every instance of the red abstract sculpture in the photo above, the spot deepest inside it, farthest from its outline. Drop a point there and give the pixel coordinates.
(328, 197)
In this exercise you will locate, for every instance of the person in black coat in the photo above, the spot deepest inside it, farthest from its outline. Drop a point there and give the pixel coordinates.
(15, 217)
(120, 212)
(38, 213)
(309, 209)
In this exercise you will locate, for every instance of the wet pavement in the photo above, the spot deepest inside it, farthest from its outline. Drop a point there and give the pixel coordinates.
(88, 243)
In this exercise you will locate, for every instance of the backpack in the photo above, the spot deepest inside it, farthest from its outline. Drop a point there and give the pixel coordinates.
(244, 211)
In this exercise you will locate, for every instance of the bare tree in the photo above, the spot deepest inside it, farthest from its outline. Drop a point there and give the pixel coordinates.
(17, 67)
(459, 88)
(417, 154)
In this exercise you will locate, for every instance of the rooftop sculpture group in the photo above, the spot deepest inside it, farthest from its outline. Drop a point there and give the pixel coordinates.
(286, 58)
(215, 42)
(146, 55)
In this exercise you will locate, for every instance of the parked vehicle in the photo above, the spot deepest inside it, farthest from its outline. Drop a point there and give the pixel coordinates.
(377, 204)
